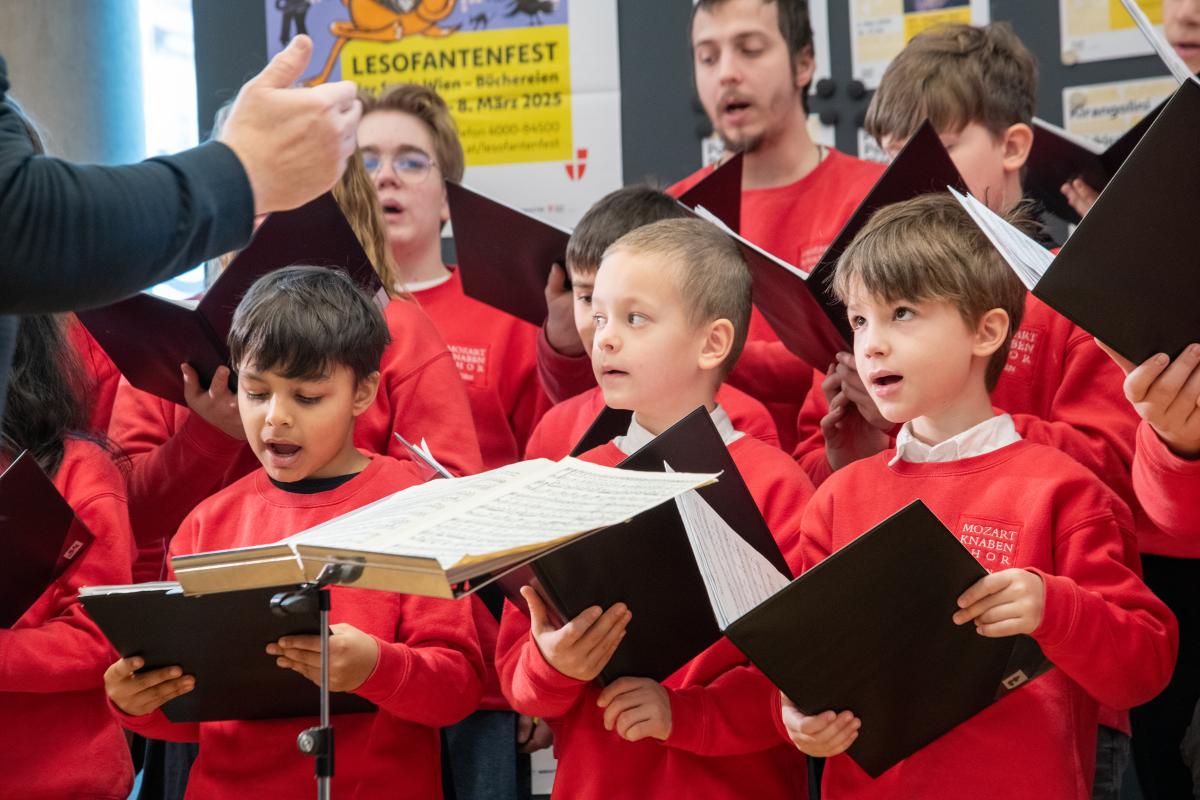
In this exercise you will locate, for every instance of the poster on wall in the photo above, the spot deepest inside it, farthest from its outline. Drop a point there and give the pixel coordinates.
(1102, 112)
(818, 18)
(879, 29)
(1099, 30)
(533, 85)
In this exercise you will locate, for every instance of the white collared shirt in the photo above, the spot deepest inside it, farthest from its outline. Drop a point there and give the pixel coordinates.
(989, 435)
(638, 437)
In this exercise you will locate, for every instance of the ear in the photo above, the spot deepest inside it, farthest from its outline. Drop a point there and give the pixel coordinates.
(805, 64)
(364, 393)
(718, 341)
(1016, 142)
(990, 333)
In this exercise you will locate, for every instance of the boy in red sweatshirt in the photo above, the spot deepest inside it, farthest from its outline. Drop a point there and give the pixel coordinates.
(615, 215)
(307, 346)
(752, 64)
(671, 307)
(411, 147)
(933, 308)
(977, 87)
(1166, 478)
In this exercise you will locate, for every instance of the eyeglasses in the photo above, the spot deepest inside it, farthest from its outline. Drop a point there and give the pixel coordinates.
(412, 166)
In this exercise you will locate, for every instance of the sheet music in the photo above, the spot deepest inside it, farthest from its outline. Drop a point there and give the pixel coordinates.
(736, 576)
(1073, 138)
(1026, 257)
(705, 214)
(531, 503)
(1174, 63)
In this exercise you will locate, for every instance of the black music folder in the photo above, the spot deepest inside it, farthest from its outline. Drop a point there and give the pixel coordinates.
(1127, 275)
(857, 632)
(504, 255)
(40, 537)
(720, 192)
(647, 563)
(221, 639)
(148, 337)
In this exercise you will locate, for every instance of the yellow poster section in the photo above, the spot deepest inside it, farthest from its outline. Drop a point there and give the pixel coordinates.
(917, 21)
(1118, 17)
(509, 90)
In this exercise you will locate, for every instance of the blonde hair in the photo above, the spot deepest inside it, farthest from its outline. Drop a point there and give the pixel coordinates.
(928, 248)
(428, 106)
(355, 195)
(954, 75)
(711, 274)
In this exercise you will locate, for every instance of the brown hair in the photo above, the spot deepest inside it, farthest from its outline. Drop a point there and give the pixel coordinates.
(355, 195)
(712, 276)
(428, 106)
(613, 216)
(954, 75)
(794, 25)
(929, 248)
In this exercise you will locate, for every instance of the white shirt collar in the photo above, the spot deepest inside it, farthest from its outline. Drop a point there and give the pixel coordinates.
(989, 435)
(419, 286)
(638, 437)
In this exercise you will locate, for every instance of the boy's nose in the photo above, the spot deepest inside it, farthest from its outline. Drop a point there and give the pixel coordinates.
(277, 414)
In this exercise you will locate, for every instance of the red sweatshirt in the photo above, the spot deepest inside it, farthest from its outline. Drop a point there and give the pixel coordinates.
(796, 222)
(100, 374)
(564, 425)
(494, 352)
(722, 741)
(1168, 487)
(58, 739)
(1112, 641)
(428, 675)
(178, 459)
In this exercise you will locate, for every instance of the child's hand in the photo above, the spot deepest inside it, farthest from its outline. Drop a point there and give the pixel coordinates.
(560, 316)
(533, 734)
(352, 656)
(582, 647)
(636, 708)
(218, 406)
(1079, 195)
(823, 735)
(853, 388)
(849, 437)
(1167, 395)
(1004, 603)
(138, 695)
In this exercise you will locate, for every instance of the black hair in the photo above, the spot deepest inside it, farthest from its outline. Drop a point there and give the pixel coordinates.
(300, 321)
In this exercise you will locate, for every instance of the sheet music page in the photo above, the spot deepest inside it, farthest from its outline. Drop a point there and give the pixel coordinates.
(542, 507)
(736, 576)
(1174, 63)
(707, 215)
(1026, 257)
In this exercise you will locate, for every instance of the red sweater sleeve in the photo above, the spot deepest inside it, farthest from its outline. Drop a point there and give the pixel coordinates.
(810, 452)
(562, 377)
(1089, 418)
(55, 647)
(433, 673)
(770, 372)
(1166, 485)
(155, 725)
(730, 716)
(532, 686)
(1096, 603)
(171, 470)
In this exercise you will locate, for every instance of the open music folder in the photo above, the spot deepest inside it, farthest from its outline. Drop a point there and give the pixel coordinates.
(40, 537)
(219, 638)
(148, 337)
(1127, 274)
(809, 320)
(857, 631)
(647, 562)
(504, 255)
(720, 192)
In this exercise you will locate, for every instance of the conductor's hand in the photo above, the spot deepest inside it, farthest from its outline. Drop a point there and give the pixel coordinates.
(560, 314)
(582, 647)
(352, 656)
(822, 735)
(139, 694)
(1004, 603)
(636, 708)
(292, 142)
